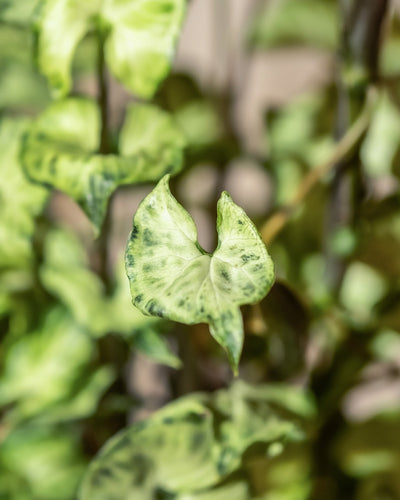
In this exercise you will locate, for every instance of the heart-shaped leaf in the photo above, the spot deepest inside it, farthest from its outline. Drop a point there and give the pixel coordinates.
(60, 151)
(173, 277)
(140, 39)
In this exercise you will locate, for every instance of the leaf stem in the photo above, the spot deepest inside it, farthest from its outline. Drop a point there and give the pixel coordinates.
(277, 222)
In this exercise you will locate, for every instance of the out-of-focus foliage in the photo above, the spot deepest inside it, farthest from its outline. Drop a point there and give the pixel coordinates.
(288, 22)
(20, 200)
(61, 151)
(34, 360)
(65, 273)
(381, 146)
(47, 382)
(139, 38)
(207, 435)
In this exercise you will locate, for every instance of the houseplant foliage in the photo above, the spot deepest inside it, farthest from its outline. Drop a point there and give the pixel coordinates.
(286, 399)
(59, 152)
(172, 276)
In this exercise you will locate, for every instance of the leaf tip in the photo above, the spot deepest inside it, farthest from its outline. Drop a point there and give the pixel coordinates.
(163, 183)
(225, 196)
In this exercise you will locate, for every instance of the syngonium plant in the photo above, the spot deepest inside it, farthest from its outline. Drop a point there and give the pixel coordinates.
(172, 276)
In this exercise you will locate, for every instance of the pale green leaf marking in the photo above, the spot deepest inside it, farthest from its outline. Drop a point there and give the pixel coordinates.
(140, 39)
(20, 199)
(61, 147)
(173, 277)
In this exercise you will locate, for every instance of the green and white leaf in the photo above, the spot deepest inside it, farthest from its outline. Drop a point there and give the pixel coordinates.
(134, 463)
(39, 460)
(140, 36)
(206, 443)
(65, 273)
(173, 277)
(141, 43)
(20, 200)
(62, 24)
(43, 370)
(61, 151)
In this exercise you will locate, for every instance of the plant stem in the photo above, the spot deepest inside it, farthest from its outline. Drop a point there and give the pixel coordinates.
(277, 222)
(104, 148)
(104, 145)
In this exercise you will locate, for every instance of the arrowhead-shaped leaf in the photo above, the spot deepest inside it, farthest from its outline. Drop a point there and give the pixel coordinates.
(172, 276)
(61, 148)
(140, 39)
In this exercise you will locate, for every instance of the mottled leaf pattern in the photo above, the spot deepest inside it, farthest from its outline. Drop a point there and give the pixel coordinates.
(42, 371)
(134, 463)
(172, 276)
(140, 39)
(190, 448)
(60, 151)
(20, 199)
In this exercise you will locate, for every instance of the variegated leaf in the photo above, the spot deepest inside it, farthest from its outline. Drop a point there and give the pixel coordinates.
(140, 36)
(61, 151)
(191, 448)
(173, 277)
